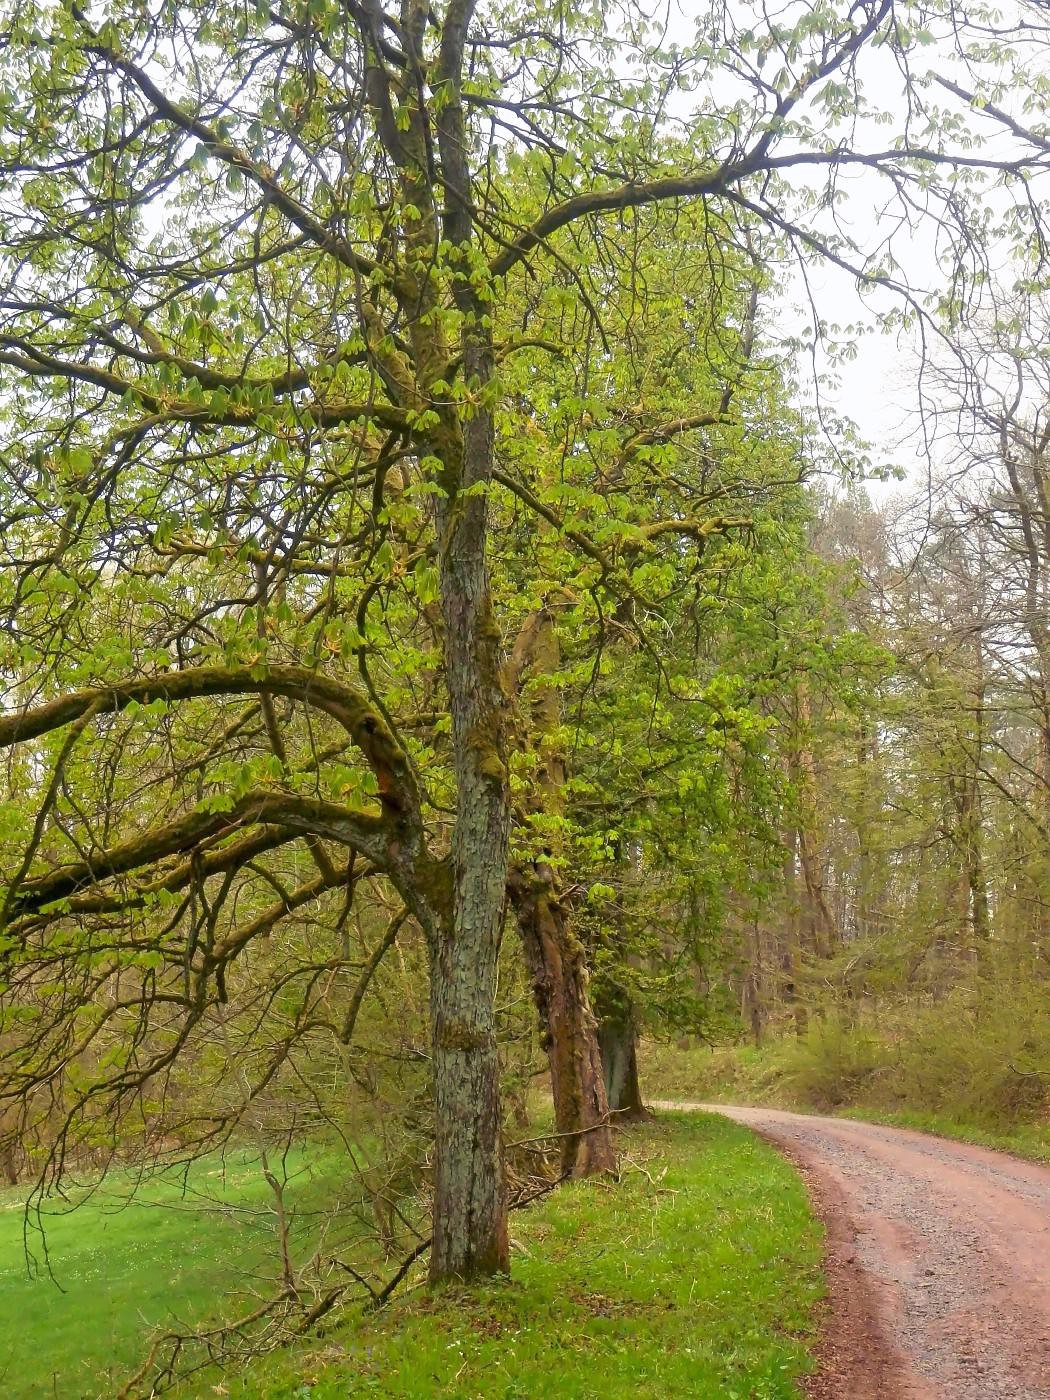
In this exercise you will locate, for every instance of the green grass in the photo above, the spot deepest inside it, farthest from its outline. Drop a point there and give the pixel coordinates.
(697, 1275)
(726, 1074)
(1030, 1140)
(122, 1269)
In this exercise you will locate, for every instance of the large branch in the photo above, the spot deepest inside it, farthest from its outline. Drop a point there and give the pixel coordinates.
(699, 529)
(365, 832)
(728, 175)
(364, 724)
(159, 353)
(39, 364)
(631, 196)
(214, 859)
(677, 427)
(226, 152)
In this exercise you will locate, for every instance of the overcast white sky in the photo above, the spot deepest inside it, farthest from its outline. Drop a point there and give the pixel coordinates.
(879, 390)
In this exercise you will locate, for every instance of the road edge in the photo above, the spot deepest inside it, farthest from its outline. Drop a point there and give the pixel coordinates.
(855, 1359)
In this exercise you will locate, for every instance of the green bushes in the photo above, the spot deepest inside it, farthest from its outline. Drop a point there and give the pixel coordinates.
(833, 1064)
(982, 1055)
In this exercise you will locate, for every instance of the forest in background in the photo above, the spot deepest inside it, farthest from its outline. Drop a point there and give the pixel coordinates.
(445, 639)
(905, 949)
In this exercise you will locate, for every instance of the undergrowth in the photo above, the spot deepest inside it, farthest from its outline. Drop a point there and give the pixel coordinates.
(970, 1066)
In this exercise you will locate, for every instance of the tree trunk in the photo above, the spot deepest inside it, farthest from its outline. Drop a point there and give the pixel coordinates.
(618, 1043)
(817, 923)
(817, 927)
(432, 149)
(556, 959)
(470, 1208)
(1037, 861)
(751, 1004)
(557, 965)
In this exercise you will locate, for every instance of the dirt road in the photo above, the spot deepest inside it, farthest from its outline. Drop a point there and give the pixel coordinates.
(938, 1258)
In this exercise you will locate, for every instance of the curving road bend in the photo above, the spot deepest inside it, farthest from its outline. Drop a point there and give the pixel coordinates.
(938, 1259)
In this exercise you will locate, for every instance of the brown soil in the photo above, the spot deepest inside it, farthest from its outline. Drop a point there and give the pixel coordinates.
(938, 1261)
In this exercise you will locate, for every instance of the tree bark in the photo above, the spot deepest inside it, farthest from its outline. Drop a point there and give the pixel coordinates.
(470, 1211)
(817, 927)
(556, 959)
(619, 1050)
(817, 923)
(557, 965)
(470, 1208)
(751, 1004)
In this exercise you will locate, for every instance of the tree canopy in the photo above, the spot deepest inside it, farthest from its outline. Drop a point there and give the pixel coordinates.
(388, 410)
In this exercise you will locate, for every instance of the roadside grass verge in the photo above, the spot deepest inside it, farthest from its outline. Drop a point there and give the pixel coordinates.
(119, 1268)
(698, 1274)
(1031, 1140)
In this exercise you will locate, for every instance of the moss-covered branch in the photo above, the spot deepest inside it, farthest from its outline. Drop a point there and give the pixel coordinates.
(346, 705)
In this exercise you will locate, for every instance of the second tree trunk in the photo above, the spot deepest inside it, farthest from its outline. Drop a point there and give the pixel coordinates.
(558, 968)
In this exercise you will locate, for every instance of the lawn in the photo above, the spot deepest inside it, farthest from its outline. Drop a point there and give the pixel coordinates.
(698, 1274)
(118, 1269)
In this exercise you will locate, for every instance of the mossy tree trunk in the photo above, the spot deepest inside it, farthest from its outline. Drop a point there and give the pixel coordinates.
(556, 958)
(431, 149)
(470, 1213)
(557, 964)
(618, 1040)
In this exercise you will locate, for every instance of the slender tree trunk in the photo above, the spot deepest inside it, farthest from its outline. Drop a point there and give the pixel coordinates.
(817, 922)
(751, 1004)
(619, 1048)
(789, 944)
(817, 926)
(431, 148)
(966, 793)
(1037, 863)
(557, 965)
